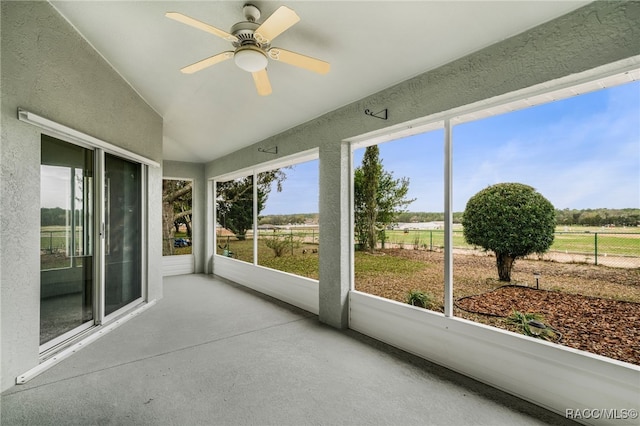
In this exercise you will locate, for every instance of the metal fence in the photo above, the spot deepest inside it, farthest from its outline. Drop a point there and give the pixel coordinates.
(304, 235)
(56, 242)
(290, 241)
(618, 249)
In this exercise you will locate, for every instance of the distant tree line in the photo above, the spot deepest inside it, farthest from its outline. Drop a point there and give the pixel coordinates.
(568, 217)
(413, 217)
(56, 216)
(598, 217)
(288, 219)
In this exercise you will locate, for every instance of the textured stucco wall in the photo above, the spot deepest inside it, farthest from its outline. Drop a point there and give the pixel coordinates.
(596, 35)
(195, 172)
(47, 68)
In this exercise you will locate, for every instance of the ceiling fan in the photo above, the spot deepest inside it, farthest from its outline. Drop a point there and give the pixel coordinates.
(252, 43)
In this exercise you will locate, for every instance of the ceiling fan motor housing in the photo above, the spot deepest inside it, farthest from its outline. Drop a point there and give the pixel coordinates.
(249, 54)
(244, 32)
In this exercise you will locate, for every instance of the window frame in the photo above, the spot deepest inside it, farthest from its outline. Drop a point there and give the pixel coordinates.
(590, 81)
(291, 160)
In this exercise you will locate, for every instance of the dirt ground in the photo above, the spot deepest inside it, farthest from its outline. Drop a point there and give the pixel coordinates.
(595, 308)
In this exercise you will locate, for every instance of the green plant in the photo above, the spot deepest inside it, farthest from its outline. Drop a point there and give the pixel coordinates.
(278, 243)
(511, 219)
(521, 322)
(416, 241)
(420, 299)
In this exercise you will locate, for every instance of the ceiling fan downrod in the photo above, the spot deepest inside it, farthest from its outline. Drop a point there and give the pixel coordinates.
(251, 12)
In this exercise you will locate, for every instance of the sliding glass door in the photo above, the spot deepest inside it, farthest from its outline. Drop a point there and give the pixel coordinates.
(91, 235)
(66, 240)
(123, 241)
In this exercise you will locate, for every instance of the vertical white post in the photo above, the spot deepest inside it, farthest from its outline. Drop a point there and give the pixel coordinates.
(211, 227)
(352, 254)
(71, 245)
(448, 221)
(99, 224)
(255, 218)
(144, 237)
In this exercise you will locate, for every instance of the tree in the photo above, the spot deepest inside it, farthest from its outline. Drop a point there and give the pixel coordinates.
(176, 208)
(367, 180)
(235, 200)
(378, 199)
(511, 219)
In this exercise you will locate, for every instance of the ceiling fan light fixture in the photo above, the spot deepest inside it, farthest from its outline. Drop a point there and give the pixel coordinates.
(250, 58)
(252, 43)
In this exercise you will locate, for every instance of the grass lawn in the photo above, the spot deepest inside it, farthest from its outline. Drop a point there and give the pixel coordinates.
(579, 240)
(423, 270)
(293, 260)
(572, 296)
(181, 250)
(612, 241)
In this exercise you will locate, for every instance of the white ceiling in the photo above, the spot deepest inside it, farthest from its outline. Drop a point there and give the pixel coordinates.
(371, 45)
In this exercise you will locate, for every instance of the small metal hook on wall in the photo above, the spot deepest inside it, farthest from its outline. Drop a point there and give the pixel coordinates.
(383, 114)
(272, 150)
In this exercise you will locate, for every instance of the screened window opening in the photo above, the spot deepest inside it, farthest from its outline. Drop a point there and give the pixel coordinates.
(399, 220)
(289, 220)
(177, 217)
(551, 236)
(234, 208)
(545, 229)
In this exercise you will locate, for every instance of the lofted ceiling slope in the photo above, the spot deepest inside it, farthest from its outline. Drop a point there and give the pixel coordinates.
(371, 45)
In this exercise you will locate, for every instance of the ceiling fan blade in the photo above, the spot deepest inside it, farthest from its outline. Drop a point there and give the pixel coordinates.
(279, 21)
(261, 79)
(298, 60)
(200, 25)
(190, 69)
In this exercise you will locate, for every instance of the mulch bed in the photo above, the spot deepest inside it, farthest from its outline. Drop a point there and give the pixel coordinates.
(594, 307)
(602, 326)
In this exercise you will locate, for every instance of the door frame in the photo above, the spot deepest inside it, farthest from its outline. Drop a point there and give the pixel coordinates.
(100, 148)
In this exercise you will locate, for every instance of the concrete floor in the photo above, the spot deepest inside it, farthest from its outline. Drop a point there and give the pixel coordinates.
(213, 353)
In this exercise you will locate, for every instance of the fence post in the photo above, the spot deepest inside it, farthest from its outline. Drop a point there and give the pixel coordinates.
(430, 240)
(595, 245)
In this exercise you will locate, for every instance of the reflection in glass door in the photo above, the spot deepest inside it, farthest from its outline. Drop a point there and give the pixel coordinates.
(123, 236)
(66, 240)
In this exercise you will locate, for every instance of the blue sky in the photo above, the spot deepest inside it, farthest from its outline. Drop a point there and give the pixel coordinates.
(581, 152)
(300, 191)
